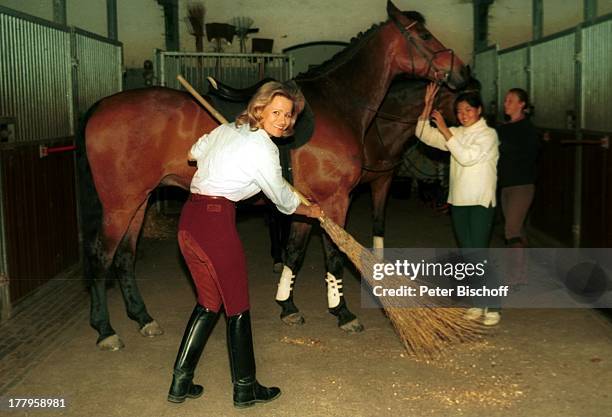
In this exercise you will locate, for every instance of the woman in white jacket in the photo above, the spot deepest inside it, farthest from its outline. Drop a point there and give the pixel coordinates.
(473, 172)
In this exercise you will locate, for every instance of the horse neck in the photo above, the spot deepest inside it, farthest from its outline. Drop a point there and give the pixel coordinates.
(359, 85)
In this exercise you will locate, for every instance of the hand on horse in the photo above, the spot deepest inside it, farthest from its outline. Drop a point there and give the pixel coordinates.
(314, 211)
(430, 95)
(441, 124)
(439, 119)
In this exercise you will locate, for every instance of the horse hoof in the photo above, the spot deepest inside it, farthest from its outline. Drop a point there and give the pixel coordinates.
(111, 343)
(379, 253)
(353, 326)
(278, 267)
(293, 319)
(151, 329)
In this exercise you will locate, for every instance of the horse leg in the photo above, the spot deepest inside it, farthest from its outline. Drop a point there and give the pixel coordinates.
(123, 266)
(380, 190)
(278, 239)
(100, 256)
(296, 248)
(96, 270)
(336, 209)
(336, 302)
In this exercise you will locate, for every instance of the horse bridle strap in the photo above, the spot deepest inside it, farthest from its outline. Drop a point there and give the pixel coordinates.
(384, 168)
(405, 31)
(393, 117)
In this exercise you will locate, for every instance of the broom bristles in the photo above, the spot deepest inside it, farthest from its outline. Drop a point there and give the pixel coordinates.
(196, 13)
(426, 326)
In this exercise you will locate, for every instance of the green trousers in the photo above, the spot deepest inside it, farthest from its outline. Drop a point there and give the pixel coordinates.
(473, 225)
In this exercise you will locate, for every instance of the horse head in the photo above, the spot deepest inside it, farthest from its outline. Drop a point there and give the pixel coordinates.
(425, 56)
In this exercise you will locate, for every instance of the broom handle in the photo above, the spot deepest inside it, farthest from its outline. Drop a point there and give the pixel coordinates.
(223, 120)
(201, 99)
(301, 196)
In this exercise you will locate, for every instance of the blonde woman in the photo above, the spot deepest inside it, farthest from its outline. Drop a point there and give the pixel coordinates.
(235, 161)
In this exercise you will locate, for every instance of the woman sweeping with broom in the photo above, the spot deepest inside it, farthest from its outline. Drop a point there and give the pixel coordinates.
(235, 161)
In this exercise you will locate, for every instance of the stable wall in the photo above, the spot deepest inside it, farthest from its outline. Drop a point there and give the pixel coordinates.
(294, 22)
(140, 23)
(511, 21)
(289, 23)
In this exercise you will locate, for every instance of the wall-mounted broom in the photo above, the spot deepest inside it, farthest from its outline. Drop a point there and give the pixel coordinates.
(425, 327)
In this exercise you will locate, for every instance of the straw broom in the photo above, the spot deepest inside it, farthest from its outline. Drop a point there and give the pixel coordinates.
(426, 327)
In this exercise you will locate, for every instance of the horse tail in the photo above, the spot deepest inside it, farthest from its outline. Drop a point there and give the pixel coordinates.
(90, 207)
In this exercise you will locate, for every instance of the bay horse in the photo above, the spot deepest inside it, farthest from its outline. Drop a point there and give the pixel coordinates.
(137, 140)
(391, 133)
(387, 138)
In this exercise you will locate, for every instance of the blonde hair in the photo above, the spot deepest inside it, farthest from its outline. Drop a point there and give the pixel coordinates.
(264, 96)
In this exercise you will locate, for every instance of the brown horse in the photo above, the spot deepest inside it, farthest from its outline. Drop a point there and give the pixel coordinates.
(345, 102)
(384, 144)
(137, 140)
(391, 133)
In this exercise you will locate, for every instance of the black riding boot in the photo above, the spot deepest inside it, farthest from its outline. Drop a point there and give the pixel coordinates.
(198, 329)
(247, 390)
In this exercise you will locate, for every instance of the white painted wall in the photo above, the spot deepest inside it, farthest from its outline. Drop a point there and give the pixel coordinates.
(560, 15)
(140, 23)
(38, 8)
(292, 22)
(510, 21)
(140, 26)
(604, 7)
(89, 15)
(288, 22)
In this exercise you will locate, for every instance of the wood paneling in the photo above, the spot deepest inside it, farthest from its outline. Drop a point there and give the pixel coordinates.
(552, 208)
(40, 216)
(595, 203)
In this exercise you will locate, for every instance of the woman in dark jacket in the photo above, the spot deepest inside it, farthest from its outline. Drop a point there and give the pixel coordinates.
(519, 147)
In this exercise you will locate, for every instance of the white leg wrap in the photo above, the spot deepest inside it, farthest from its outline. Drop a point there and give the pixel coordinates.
(334, 290)
(379, 247)
(379, 242)
(285, 284)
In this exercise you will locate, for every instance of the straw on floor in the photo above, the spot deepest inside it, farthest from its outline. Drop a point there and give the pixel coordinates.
(426, 327)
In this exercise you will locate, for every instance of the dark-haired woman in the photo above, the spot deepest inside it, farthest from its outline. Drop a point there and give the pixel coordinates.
(473, 173)
(518, 153)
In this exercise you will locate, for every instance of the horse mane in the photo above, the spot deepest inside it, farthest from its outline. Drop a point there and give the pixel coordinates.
(347, 53)
(341, 57)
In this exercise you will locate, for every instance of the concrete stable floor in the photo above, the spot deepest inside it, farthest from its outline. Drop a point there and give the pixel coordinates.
(536, 363)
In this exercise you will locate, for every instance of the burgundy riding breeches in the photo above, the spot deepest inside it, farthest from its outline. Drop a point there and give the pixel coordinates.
(213, 252)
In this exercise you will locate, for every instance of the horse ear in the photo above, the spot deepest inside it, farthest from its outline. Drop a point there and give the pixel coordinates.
(391, 9)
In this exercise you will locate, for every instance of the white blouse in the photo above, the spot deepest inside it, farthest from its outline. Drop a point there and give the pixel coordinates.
(473, 166)
(237, 163)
